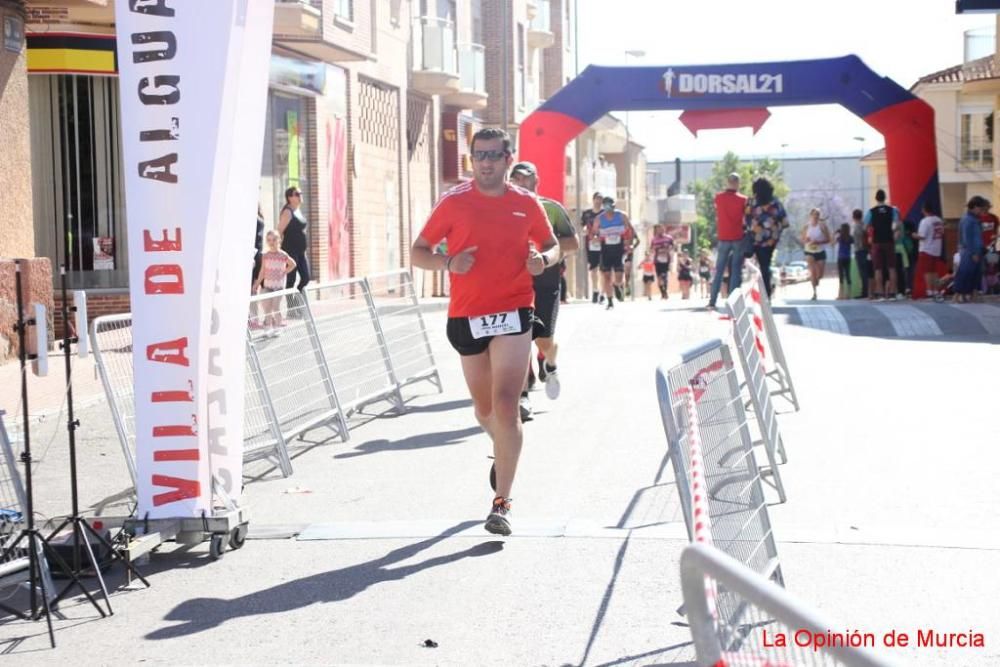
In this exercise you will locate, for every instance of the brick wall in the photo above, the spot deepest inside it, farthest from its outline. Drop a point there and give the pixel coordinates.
(36, 287)
(358, 37)
(17, 236)
(495, 30)
(105, 302)
(377, 184)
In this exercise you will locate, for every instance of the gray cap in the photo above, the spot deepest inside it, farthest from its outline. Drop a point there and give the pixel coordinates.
(524, 169)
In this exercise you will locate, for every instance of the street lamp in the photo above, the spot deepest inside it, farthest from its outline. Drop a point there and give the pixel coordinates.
(861, 170)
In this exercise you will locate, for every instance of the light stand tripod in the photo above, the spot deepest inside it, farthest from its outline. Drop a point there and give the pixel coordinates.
(80, 526)
(36, 544)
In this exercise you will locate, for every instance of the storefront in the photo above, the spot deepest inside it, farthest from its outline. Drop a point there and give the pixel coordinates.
(78, 202)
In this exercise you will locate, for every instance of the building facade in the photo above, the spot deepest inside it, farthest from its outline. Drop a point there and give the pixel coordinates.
(372, 105)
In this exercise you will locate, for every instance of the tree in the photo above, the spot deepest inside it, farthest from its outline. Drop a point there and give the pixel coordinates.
(704, 190)
(833, 210)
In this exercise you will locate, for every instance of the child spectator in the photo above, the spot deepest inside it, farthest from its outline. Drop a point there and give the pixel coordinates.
(275, 265)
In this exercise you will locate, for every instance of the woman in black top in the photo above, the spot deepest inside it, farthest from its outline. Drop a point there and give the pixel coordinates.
(292, 227)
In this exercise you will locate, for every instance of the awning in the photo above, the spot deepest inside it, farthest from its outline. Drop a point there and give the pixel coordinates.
(72, 53)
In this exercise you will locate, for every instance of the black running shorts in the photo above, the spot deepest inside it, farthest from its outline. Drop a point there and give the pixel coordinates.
(662, 268)
(546, 312)
(593, 259)
(460, 334)
(612, 258)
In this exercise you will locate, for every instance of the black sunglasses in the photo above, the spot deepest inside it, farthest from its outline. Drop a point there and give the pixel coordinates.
(493, 156)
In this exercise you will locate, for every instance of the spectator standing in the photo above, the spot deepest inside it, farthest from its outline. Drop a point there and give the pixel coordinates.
(275, 265)
(930, 267)
(884, 222)
(844, 242)
(292, 227)
(730, 213)
(861, 250)
(970, 247)
(766, 218)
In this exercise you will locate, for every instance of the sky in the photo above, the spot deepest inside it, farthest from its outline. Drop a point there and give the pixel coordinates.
(901, 39)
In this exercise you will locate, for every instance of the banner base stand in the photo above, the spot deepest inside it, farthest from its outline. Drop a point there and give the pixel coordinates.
(225, 528)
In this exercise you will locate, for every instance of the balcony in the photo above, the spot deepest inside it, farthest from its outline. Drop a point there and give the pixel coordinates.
(540, 35)
(435, 61)
(300, 26)
(471, 92)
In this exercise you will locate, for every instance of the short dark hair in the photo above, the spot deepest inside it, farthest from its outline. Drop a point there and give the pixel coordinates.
(929, 208)
(763, 191)
(977, 201)
(488, 133)
(857, 214)
(597, 195)
(290, 192)
(880, 196)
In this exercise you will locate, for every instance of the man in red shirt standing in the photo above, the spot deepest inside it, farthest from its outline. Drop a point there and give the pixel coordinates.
(730, 214)
(499, 237)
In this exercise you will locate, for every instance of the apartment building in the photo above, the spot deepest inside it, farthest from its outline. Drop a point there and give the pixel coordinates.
(371, 108)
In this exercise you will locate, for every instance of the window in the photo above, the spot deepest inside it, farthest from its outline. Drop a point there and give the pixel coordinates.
(477, 21)
(344, 9)
(975, 150)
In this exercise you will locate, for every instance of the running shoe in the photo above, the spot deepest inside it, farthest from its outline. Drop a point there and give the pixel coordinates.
(498, 521)
(601, 299)
(524, 407)
(551, 383)
(611, 304)
(594, 297)
(618, 293)
(542, 372)
(900, 297)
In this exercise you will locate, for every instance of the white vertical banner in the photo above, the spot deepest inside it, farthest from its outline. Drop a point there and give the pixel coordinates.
(246, 88)
(178, 109)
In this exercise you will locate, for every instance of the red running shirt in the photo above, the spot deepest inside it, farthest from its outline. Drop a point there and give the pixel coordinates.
(730, 213)
(501, 227)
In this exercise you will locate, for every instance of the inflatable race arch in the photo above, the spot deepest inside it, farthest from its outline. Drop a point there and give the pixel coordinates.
(745, 91)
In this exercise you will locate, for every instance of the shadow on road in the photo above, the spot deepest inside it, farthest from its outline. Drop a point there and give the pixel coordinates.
(423, 441)
(201, 614)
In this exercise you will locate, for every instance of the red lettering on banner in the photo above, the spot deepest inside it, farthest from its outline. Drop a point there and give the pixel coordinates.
(173, 431)
(183, 396)
(165, 279)
(183, 489)
(169, 352)
(161, 245)
(177, 455)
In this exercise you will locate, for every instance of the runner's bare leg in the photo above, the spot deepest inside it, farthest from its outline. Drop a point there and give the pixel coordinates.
(508, 362)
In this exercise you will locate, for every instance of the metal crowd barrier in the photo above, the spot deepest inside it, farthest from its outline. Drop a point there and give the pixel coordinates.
(312, 359)
(739, 618)
(775, 363)
(292, 365)
(402, 327)
(737, 512)
(351, 339)
(747, 347)
(15, 560)
(111, 341)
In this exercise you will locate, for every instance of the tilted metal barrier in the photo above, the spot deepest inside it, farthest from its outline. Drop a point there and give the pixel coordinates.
(763, 624)
(748, 349)
(704, 380)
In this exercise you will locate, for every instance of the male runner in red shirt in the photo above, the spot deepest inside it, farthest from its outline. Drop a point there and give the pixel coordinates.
(499, 237)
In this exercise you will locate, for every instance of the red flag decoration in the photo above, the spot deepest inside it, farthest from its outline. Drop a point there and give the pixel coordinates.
(724, 119)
